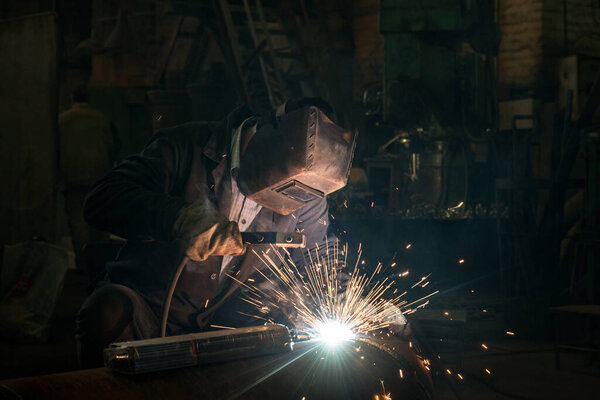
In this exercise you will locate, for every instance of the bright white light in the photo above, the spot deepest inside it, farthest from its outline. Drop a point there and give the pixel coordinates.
(333, 332)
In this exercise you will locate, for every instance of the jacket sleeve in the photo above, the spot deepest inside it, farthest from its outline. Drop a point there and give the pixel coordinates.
(312, 221)
(134, 200)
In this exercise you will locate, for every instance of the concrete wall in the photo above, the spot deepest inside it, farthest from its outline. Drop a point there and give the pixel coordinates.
(28, 114)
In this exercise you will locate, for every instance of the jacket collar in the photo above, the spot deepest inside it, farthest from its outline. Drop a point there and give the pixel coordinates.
(216, 148)
(219, 144)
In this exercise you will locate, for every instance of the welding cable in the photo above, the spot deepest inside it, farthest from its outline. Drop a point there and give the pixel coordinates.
(169, 296)
(463, 112)
(444, 176)
(466, 170)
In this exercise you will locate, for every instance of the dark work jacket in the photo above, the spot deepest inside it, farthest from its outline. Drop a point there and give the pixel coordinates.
(140, 199)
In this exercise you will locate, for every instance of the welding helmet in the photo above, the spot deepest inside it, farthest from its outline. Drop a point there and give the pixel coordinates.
(294, 159)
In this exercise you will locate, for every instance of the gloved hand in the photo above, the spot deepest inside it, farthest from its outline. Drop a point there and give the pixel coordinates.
(204, 232)
(398, 323)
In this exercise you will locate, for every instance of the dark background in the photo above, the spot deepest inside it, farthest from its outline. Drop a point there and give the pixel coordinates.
(477, 142)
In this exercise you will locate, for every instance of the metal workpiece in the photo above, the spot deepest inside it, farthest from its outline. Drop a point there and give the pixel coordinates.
(355, 369)
(157, 354)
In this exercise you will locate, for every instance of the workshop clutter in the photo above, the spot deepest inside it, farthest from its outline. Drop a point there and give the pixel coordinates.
(31, 280)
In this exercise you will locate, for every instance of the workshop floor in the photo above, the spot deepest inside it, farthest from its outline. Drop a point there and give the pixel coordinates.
(519, 369)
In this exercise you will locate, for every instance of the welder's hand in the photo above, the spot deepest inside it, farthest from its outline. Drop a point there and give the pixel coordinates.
(398, 322)
(204, 232)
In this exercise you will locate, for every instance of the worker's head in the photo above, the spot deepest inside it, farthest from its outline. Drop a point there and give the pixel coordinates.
(80, 94)
(294, 158)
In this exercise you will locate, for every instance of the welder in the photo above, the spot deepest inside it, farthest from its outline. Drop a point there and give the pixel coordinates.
(189, 193)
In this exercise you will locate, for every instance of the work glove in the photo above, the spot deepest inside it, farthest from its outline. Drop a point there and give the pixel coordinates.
(398, 323)
(204, 232)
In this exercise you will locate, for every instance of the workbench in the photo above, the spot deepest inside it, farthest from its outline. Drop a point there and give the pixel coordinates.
(588, 312)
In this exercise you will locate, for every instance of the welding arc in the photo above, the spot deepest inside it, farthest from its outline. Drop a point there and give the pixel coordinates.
(169, 296)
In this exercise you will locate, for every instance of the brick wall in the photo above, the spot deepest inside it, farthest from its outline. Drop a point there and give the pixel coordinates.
(533, 40)
(583, 27)
(368, 44)
(520, 55)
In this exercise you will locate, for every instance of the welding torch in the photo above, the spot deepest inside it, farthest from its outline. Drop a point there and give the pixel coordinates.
(277, 239)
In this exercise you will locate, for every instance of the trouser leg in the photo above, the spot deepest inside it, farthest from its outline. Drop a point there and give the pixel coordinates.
(112, 313)
(80, 230)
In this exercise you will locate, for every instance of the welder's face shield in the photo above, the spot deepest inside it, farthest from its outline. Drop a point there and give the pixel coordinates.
(302, 157)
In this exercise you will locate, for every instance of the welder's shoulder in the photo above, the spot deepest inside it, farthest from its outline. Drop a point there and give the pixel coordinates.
(82, 113)
(197, 133)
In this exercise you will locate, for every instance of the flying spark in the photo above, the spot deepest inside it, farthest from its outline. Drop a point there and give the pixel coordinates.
(459, 205)
(221, 327)
(322, 305)
(386, 396)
